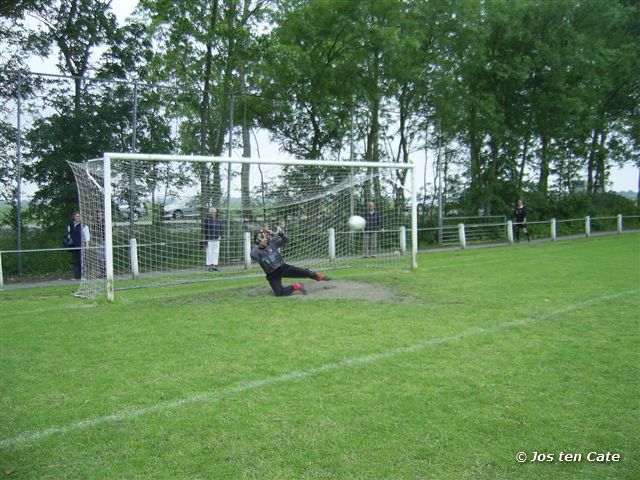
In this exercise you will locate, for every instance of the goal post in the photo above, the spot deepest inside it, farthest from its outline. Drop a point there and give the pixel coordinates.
(146, 216)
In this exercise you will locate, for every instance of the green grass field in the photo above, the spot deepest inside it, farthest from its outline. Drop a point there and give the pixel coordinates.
(478, 355)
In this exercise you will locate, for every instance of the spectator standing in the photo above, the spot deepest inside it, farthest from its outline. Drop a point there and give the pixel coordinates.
(520, 220)
(211, 232)
(79, 234)
(374, 225)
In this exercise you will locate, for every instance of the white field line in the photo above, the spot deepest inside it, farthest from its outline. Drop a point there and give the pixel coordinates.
(241, 387)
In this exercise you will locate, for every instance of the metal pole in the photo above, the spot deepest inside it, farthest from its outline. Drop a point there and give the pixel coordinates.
(351, 156)
(134, 148)
(440, 209)
(227, 239)
(352, 188)
(19, 175)
(134, 140)
(414, 218)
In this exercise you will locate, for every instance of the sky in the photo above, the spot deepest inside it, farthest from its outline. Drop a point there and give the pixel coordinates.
(622, 179)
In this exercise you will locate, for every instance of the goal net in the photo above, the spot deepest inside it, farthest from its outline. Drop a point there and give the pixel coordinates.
(148, 225)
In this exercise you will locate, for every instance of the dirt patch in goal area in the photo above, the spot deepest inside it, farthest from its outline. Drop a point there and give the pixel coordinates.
(337, 290)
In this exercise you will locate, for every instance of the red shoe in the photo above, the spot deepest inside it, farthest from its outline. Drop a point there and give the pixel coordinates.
(322, 278)
(299, 287)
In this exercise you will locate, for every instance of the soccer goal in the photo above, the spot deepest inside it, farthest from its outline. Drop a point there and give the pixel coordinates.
(146, 214)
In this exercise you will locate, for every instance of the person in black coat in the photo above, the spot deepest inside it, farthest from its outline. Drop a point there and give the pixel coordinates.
(211, 232)
(79, 235)
(374, 225)
(520, 220)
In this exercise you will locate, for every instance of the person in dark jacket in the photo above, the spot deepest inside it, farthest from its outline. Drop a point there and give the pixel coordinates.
(211, 232)
(520, 220)
(374, 225)
(79, 235)
(266, 253)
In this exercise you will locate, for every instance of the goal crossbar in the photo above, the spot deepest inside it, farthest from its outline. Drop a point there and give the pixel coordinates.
(217, 159)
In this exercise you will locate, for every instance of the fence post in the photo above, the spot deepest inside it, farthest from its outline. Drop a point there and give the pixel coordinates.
(332, 244)
(247, 250)
(1, 276)
(510, 231)
(554, 232)
(462, 236)
(133, 257)
(587, 226)
(403, 240)
(619, 223)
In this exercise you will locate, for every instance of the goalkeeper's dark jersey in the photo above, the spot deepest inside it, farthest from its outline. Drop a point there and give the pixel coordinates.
(269, 257)
(520, 214)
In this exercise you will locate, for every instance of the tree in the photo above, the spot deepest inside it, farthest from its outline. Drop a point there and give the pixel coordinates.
(204, 47)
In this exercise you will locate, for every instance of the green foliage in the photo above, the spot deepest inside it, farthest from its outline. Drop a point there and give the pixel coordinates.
(518, 94)
(34, 265)
(577, 205)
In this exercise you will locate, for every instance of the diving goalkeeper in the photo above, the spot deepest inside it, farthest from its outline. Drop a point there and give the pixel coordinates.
(265, 252)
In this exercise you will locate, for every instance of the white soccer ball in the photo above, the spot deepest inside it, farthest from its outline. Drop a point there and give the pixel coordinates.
(356, 223)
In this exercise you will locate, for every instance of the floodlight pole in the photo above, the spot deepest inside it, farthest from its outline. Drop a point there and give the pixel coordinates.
(414, 219)
(351, 159)
(19, 174)
(134, 148)
(439, 170)
(228, 235)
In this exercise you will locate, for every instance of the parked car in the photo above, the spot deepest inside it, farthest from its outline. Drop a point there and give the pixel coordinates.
(138, 211)
(178, 209)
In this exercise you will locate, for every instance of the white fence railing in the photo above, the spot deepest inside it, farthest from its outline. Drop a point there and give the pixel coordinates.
(477, 233)
(539, 230)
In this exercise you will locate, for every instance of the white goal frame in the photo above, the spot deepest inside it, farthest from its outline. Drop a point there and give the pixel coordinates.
(109, 157)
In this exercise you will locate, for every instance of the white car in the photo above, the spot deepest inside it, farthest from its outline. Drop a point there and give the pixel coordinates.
(180, 209)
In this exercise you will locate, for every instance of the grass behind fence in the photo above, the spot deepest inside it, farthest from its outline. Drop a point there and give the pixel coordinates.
(477, 356)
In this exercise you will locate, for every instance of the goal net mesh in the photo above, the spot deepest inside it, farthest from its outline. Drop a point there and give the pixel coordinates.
(158, 209)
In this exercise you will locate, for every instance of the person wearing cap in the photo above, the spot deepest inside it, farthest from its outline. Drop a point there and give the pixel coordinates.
(211, 232)
(266, 252)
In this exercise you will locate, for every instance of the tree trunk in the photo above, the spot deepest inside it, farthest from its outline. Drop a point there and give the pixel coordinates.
(591, 162)
(245, 174)
(403, 153)
(491, 179)
(638, 196)
(543, 182)
(372, 153)
(601, 171)
(525, 152)
(475, 160)
(203, 169)
(205, 118)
